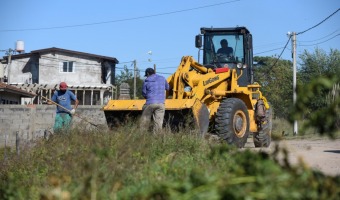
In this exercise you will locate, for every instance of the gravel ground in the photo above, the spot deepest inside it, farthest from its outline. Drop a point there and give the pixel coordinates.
(320, 154)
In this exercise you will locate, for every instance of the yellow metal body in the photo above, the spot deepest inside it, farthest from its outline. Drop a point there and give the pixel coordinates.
(170, 104)
(193, 82)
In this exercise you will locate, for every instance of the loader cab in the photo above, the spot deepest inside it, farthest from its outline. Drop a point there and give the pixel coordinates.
(228, 47)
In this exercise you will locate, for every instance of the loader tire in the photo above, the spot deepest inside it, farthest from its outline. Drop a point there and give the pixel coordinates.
(232, 122)
(262, 138)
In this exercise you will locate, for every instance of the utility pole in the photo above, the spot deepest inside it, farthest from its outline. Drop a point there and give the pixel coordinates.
(9, 53)
(19, 48)
(9, 66)
(293, 35)
(134, 78)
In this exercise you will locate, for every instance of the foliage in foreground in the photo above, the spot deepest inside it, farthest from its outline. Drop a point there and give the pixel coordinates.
(326, 119)
(318, 100)
(129, 164)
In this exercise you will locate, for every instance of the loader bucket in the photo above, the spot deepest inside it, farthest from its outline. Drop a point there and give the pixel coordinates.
(121, 112)
(179, 113)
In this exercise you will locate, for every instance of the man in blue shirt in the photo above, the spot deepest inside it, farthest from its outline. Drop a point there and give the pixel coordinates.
(63, 97)
(154, 87)
(225, 49)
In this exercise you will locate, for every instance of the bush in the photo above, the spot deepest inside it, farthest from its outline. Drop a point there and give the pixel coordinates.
(130, 164)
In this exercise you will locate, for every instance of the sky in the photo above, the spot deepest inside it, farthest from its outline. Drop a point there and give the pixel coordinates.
(155, 32)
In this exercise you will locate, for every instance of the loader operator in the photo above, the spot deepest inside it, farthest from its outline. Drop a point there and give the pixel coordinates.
(153, 90)
(225, 49)
(63, 97)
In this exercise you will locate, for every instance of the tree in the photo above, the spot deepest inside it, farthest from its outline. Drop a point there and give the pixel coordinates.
(317, 65)
(126, 76)
(318, 102)
(277, 83)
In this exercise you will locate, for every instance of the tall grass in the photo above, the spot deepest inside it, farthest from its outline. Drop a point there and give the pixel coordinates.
(282, 129)
(131, 164)
(331, 98)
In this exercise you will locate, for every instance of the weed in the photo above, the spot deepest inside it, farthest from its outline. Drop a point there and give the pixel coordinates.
(131, 164)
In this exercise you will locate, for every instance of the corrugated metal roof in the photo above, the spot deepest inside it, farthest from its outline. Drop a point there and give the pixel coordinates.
(54, 49)
(12, 89)
(34, 86)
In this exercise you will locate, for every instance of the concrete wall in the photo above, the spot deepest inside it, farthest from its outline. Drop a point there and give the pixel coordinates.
(47, 70)
(31, 122)
(86, 70)
(16, 72)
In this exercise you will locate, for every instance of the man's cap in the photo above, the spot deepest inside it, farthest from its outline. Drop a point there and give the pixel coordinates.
(149, 71)
(62, 86)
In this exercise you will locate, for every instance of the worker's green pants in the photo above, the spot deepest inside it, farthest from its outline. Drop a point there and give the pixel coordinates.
(62, 122)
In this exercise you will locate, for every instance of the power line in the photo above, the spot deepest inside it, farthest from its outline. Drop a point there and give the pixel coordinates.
(320, 42)
(281, 52)
(321, 37)
(125, 62)
(305, 44)
(318, 23)
(167, 67)
(268, 51)
(264, 46)
(121, 20)
(304, 32)
(164, 73)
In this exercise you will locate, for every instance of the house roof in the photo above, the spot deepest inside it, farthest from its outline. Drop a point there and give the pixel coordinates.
(38, 87)
(54, 49)
(12, 89)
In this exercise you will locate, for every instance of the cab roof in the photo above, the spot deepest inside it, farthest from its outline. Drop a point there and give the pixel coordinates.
(240, 29)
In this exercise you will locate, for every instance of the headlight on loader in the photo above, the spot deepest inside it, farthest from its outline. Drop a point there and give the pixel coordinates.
(239, 65)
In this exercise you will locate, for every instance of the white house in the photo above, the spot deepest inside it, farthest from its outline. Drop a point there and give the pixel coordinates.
(90, 76)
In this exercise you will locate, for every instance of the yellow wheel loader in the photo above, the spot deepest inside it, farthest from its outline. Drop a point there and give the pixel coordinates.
(219, 95)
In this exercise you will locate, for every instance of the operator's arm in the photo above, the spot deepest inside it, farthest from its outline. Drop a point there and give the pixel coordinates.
(230, 51)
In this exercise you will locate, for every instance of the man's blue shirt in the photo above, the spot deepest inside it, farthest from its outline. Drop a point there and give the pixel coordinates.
(64, 99)
(154, 88)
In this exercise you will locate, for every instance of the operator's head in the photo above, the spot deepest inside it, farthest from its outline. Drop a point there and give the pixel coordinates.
(149, 72)
(63, 86)
(224, 42)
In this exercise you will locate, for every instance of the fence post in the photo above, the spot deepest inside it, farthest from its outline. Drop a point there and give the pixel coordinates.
(17, 142)
(5, 151)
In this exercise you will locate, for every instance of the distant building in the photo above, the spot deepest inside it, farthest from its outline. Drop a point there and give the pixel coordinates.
(90, 76)
(13, 95)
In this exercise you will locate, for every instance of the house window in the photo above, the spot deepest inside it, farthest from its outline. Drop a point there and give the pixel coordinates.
(67, 67)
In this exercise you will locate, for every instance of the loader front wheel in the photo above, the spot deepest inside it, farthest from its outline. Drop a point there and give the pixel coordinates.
(232, 122)
(262, 138)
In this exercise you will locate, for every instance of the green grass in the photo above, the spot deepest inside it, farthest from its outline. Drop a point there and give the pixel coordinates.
(282, 129)
(130, 164)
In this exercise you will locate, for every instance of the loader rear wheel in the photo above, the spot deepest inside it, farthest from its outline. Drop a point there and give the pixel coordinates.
(262, 138)
(232, 122)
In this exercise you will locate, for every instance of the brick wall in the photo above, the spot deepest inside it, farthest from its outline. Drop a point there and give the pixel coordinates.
(31, 122)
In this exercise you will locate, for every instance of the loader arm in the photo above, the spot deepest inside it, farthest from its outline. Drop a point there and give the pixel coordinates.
(187, 89)
(191, 79)
(219, 95)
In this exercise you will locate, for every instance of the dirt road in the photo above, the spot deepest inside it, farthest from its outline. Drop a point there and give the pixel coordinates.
(319, 154)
